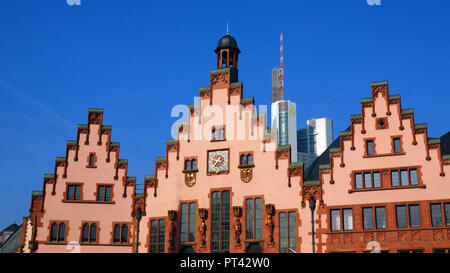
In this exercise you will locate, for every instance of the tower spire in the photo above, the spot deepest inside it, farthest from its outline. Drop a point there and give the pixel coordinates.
(228, 33)
(280, 77)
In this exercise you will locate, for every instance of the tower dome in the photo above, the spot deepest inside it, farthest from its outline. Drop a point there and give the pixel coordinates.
(227, 52)
(227, 42)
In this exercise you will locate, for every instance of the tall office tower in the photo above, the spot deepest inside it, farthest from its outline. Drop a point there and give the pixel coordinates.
(314, 139)
(283, 112)
(277, 94)
(284, 119)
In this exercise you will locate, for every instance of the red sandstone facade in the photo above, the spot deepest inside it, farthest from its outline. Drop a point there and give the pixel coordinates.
(76, 196)
(412, 175)
(233, 189)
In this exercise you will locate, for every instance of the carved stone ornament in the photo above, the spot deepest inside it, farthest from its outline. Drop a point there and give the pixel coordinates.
(237, 211)
(246, 174)
(216, 77)
(235, 90)
(203, 213)
(190, 179)
(94, 118)
(311, 191)
(270, 223)
(173, 230)
(237, 226)
(172, 147)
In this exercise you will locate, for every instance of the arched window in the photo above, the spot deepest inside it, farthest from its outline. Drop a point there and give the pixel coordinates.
(250, 159)
(85, 233)
(194, 164)
(187, 165)
(93, 235)
(89, 233)
(116, 233)
(92, 160)
(243, 160)
(246, 159)
(224, 59)
(124, 234)
(54, 232)
(61, 232)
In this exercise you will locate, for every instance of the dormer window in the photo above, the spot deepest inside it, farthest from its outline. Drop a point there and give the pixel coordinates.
(243, 160)
(246, 159)
(92, 160)
(190, 164)
(397, 148)
(187, 165)
(369, 147)
(218, 134)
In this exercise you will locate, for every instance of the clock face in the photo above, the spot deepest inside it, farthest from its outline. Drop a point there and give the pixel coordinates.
(218, 161)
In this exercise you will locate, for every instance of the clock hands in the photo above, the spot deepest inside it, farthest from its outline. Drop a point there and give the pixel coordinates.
(219, 160)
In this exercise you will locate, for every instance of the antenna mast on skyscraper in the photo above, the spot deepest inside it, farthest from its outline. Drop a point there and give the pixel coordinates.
(280, 77)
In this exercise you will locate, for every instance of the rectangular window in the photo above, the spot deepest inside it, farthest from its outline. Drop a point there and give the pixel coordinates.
(153, 235)
(335, 219)
(104, 193)
(368, 218)
(184, 222)
(358, 181)
(414, 215)
(108, 193)
(283, 232)
(100, 193)
(367, 180)
(369, 144)
(404, 177)
(397, 148)
(401, 216)
(61, 232)
(220, 222)
(436, 215)
(73, 192)
(70, 189)
(219, 134)
(348, 219)
(292, 230)
(157, 235)
(413, 176)
(58, 232)
(447, 213)
(249, 218)
(380, 217)
(161, 235)
(376, 180)
(187, 229)
(394, 178)
(254, 218)
(192, 218)
(288, 231)
(54, 232)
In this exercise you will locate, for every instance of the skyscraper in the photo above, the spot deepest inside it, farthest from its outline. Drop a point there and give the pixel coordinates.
(283, 112)
(284, 119)
(277, 95)
(314, 139)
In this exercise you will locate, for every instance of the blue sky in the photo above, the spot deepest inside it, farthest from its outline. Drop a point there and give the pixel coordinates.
(137, 59)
